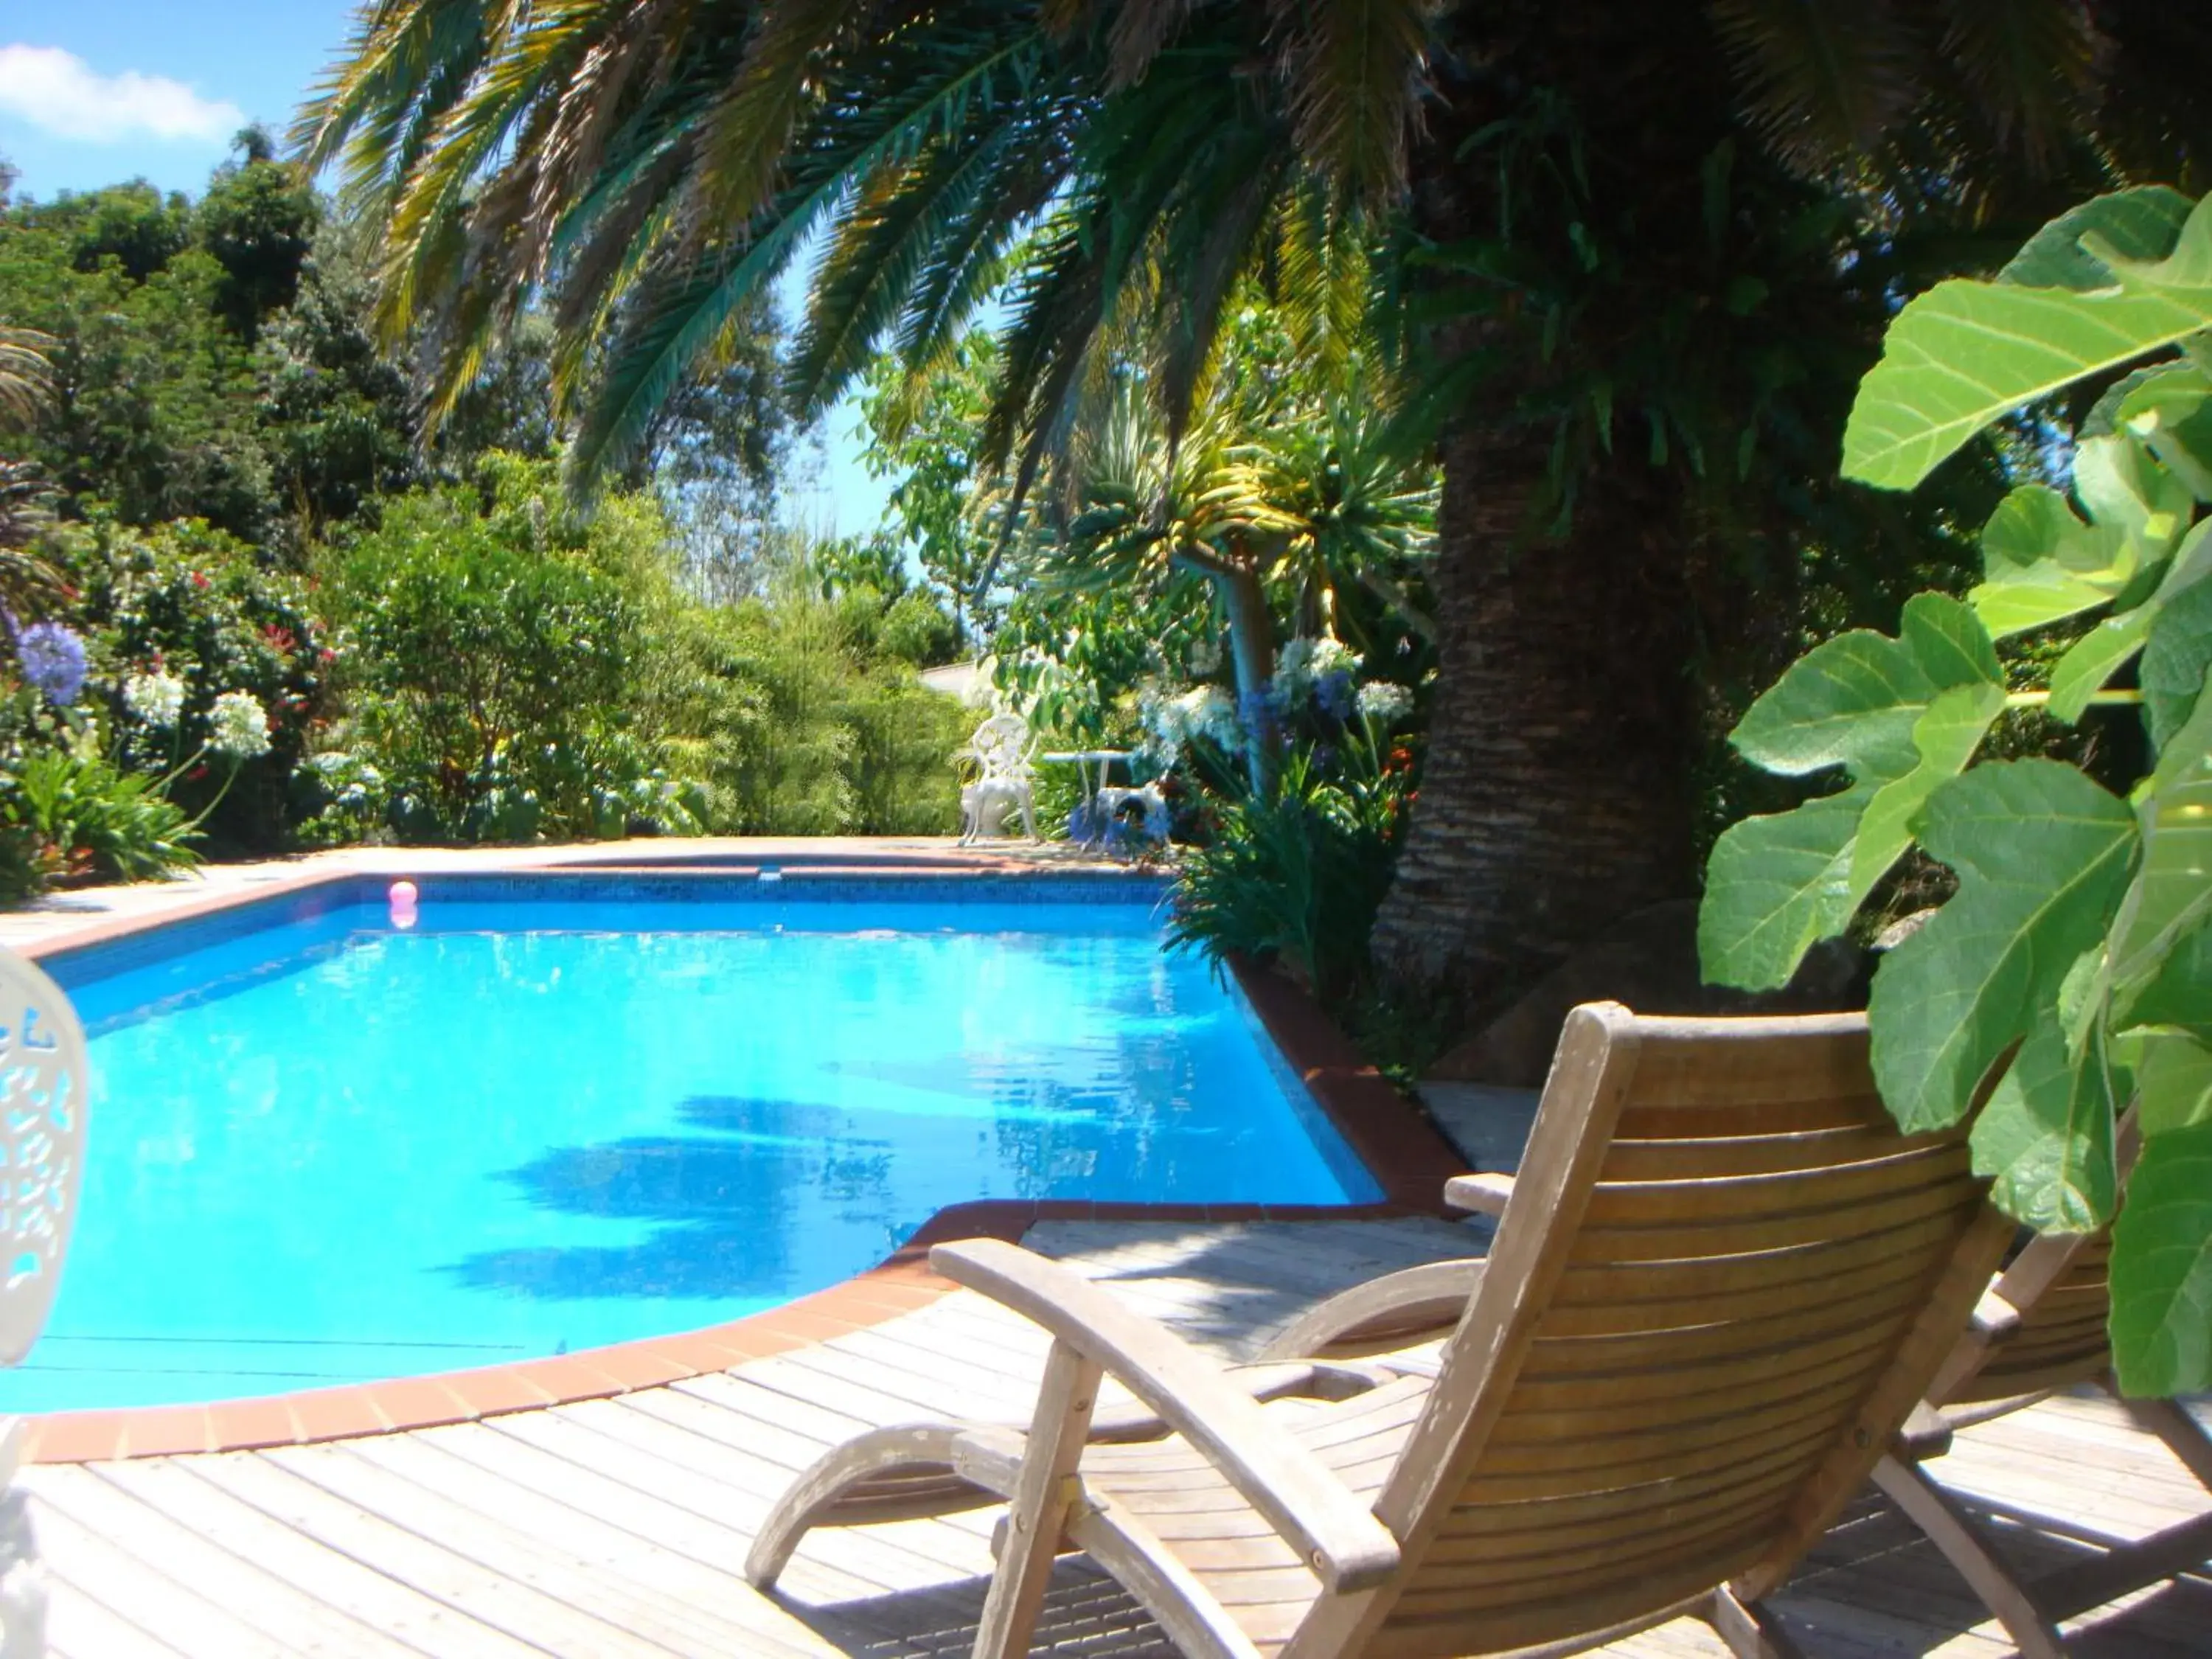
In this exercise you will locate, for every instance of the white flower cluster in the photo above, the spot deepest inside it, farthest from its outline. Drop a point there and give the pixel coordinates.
(1385, 703)
(157, 698)
(237, 727)
(1303, 663)
(1203, 711)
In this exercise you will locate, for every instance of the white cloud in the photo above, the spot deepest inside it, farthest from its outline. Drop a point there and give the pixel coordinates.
(57, 92)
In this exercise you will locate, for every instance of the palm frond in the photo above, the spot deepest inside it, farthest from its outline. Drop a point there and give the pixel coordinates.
(1356, 70)
(26, 375)
(1822, 82)
(2030, 65)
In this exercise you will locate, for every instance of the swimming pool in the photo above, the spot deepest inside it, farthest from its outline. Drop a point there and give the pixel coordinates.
(562, 1112)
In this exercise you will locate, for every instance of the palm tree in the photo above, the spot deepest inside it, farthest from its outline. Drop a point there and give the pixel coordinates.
(1654, 244)
(26, 377)
(26, 496)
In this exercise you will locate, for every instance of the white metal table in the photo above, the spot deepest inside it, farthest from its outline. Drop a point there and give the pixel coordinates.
(1083, 759)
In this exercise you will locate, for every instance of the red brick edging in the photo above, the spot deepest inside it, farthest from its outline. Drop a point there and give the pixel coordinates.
(1408, 1158)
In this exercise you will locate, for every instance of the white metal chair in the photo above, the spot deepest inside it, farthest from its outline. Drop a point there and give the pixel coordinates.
(1000, 750)
(45, 1100)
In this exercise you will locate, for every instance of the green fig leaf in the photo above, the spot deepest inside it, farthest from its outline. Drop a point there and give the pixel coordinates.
(1945, 736)
(1964, 353)
(2047, 1135)
(2163, 1268)
(2174, 660)
(2094, 658)
(1851, 700)
(2143, 223)
(2180, 994)
(2172, 893)
(1777, 885)
(2173, 1081)
(2042, 855)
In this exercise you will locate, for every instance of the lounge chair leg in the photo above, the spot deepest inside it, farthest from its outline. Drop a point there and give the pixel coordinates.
(1954, 1532)
(1750, 1631)
(1036, 1513)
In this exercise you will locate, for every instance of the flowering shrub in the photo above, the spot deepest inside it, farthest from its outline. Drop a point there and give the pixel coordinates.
(1319, 672)
(238, 727)
(1173, 722)
(68, 813)
(1384, 704)
(155, 699)
(51, 658)
(184, 615)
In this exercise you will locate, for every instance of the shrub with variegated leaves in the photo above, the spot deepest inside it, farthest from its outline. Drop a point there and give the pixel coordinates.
(2070, 976)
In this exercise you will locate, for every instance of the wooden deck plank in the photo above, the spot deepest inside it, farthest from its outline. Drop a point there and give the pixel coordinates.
(586, 1559)
(177, 1487)
(513, 1544)
(144, 1594)
(443, 1569)
(616, 1528)
(81, 1625)
(293, 1620)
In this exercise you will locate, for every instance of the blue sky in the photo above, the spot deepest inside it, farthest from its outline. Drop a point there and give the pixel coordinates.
(93, 92)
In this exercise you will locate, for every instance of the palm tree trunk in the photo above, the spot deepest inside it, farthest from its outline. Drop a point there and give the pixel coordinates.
(1554, 797)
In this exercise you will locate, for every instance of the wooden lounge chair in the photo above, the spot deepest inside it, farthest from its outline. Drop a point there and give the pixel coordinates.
(1721, 1282)
(2041, 1328)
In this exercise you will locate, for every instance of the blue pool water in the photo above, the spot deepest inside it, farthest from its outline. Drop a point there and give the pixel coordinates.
(325, 1151)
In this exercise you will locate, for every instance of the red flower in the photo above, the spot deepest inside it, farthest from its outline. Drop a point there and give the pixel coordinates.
(198, 581)
(280, 637)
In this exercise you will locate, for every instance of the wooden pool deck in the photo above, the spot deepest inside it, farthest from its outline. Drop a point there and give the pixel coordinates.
(614, 1528)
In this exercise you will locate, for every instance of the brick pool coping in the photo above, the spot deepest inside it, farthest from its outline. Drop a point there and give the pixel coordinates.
(1405, 1153)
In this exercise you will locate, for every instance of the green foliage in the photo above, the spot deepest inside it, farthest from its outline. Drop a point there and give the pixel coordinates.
(2067, 976)
(259, 221)
(195, 603)
(800, 727)
(1293, 875)
(488, 645)
(68, 811)
(2085, 297)
(514, 670)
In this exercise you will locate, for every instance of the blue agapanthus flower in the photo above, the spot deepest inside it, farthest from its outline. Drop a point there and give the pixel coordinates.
(53, 660)
(1333, 691)
(1262, 714)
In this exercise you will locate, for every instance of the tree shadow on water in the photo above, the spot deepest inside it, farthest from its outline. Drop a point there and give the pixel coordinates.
(764, 1201)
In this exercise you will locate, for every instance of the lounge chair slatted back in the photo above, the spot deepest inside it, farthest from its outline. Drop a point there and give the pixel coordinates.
(1723, 1278)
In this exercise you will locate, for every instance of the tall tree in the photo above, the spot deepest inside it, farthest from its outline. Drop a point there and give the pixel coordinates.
(1658, 238)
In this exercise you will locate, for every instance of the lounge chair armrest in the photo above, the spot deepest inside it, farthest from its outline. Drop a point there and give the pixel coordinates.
(1486, 1194)
(1397, 1310)
(1338, 1534)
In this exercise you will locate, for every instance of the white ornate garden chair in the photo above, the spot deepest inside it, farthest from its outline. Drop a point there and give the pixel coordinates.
(1001, 751)
(45, 1094)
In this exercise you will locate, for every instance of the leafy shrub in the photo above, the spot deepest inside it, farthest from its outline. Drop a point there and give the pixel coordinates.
(915, 629)
(806, 735)
(74, 814)
(1294, 874)
(489, 649)
(2070, 976)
